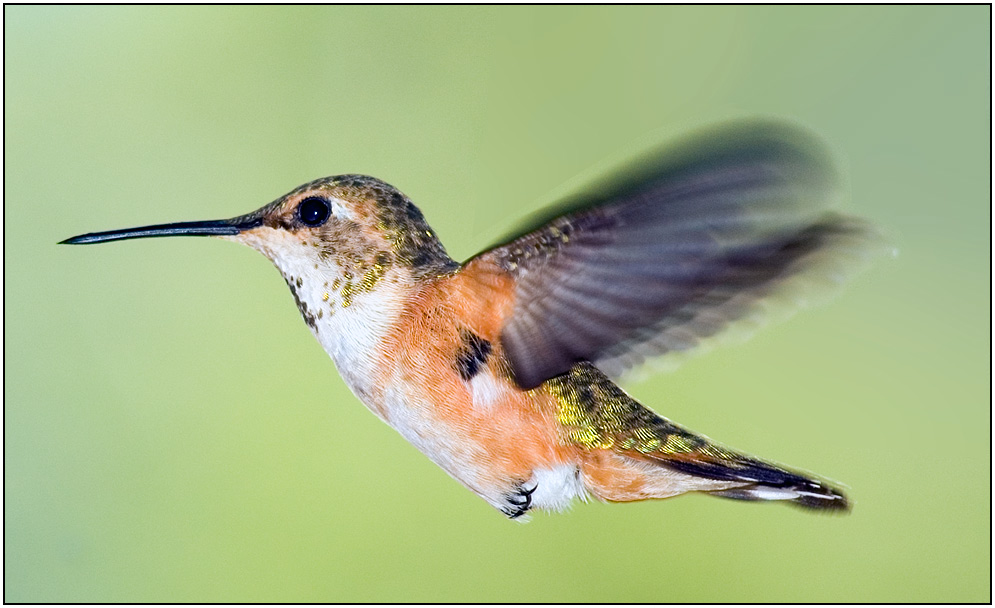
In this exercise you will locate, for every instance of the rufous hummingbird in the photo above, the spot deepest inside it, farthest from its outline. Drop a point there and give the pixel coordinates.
(500, 369)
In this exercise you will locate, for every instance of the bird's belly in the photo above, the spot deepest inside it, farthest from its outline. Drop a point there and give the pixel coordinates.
(486, 434)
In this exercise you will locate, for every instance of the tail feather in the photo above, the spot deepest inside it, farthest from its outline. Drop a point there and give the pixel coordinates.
(770, 482)
(807, 495)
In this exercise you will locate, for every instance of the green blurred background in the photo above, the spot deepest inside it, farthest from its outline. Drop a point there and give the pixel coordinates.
(173, 432)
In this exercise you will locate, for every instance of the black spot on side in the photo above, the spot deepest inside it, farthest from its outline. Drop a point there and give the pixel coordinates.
(472, 355)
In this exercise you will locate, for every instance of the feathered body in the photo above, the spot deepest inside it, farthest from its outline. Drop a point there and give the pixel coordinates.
(498, 369)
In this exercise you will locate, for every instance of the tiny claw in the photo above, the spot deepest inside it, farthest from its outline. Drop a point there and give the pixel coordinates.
(522, 500)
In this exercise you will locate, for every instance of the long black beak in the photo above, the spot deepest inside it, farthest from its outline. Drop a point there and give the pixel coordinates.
(206, 228)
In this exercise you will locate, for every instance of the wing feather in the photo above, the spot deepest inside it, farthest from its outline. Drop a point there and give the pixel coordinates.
(671, 251)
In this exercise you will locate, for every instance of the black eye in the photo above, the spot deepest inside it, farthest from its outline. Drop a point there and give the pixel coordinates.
(313, 211)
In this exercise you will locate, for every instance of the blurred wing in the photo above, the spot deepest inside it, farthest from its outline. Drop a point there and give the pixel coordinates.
(669, 251)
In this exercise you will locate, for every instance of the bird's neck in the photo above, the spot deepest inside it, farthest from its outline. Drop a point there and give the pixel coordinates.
(352, 317)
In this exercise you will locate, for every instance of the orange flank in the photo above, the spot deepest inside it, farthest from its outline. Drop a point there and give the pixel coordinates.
(512, 430)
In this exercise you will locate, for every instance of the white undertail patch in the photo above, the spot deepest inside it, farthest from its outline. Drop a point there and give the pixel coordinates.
(556, 488)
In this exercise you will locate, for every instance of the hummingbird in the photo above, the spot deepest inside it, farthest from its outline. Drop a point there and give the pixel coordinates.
(502, 369)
